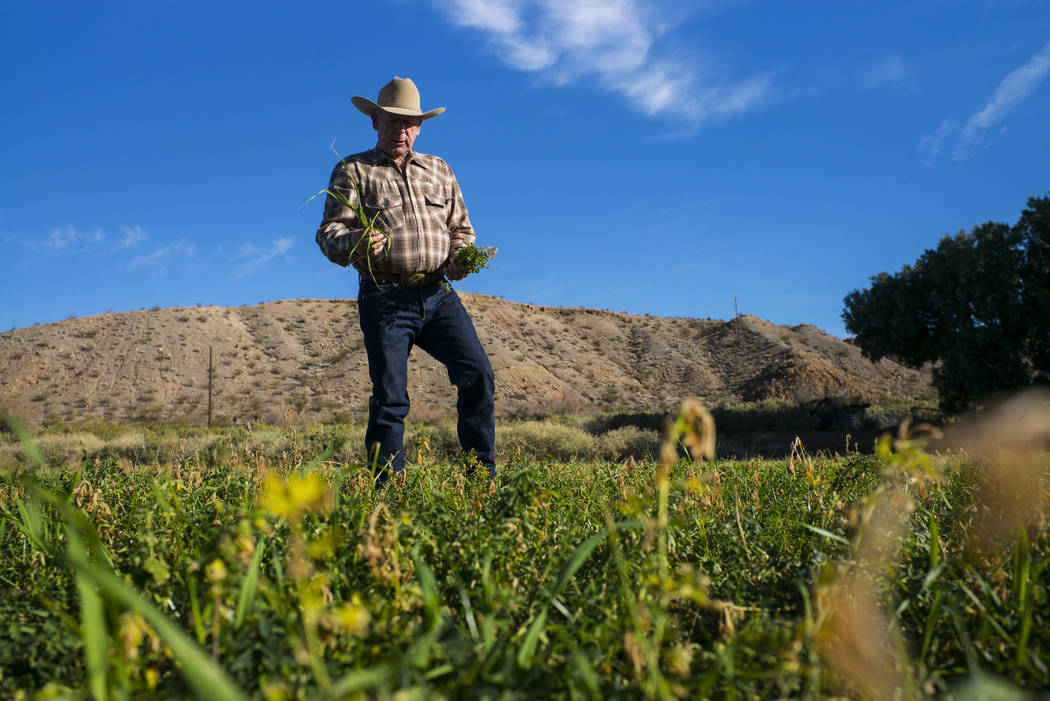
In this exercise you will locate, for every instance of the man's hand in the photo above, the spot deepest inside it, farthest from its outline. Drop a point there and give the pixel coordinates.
(468, 260)
(454, 271)
(376, 240)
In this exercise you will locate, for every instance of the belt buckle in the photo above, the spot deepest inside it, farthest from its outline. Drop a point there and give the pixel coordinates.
(413, 280)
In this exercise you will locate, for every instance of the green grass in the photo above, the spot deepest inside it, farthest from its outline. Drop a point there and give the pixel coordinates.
(269, 568)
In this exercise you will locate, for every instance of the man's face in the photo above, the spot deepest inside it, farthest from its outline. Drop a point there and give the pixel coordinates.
(396, 134)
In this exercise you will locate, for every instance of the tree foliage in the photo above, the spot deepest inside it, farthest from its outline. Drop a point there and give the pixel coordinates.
(978, 306)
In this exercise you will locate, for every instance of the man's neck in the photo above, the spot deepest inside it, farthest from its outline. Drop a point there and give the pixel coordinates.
(399, 162)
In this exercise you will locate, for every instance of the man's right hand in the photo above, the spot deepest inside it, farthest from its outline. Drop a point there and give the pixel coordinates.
(378, 242)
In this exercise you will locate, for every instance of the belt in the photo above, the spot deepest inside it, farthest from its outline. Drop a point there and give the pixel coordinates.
(406, 279)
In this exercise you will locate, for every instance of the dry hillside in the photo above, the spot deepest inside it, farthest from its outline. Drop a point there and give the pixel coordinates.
(303, 360)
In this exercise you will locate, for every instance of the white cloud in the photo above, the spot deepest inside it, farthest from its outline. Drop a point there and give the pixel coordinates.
(133, 236)
(1013, 90)
(499, 16)
(69, 238)
(175, 252)
(888, 72)
(617, 43)
(257, 258)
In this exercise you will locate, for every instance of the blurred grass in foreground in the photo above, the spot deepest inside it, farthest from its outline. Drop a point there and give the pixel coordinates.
(247, 565)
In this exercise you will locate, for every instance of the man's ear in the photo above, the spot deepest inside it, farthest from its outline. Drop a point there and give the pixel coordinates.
(375, 123)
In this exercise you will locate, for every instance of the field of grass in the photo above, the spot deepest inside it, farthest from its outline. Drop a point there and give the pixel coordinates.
(261, 564)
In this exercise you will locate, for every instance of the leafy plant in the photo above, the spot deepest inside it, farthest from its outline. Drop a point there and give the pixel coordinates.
(474, 259)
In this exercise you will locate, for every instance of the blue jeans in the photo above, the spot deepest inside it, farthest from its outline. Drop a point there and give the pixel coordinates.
(395, 318)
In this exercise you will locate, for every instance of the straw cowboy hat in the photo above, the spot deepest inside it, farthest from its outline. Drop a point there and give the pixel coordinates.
(399, 97)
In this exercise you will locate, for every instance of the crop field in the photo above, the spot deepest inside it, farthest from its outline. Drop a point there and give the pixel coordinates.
(230, 567)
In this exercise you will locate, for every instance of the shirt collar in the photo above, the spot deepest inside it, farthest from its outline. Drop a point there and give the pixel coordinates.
(379, 156)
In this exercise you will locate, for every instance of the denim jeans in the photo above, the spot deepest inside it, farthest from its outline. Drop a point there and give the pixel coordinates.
(395, 318)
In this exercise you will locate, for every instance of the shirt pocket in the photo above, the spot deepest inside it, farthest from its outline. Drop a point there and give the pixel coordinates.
(387, 208)
(436, 210)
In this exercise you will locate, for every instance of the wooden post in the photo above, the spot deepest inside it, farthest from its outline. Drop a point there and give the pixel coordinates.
(209, 386)
(736, 312)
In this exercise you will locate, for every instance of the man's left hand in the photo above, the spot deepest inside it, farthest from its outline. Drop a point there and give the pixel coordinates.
(454, 271)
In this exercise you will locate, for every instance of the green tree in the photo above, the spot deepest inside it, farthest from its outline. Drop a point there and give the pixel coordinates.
(977, 306)
(1034, 226)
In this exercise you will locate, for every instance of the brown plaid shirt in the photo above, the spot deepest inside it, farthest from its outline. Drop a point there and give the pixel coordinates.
(422, 209)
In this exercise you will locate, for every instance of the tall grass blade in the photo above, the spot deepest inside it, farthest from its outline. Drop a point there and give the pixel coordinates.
(93, 631)
(31, 522)
(931, 621)
(249, 587)
(532, 637)
(468, 613)
(203, 674)
(1023, 594)
(358, 680)
(419, 653)
(827, 534)
(27, 443)
(207, 678)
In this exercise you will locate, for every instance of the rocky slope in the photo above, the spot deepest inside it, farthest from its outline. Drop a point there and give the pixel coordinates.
(303, 360)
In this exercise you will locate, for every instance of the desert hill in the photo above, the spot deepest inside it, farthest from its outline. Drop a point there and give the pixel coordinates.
(303, 360)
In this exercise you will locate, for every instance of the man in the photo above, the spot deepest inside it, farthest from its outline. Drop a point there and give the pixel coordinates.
(417, 223)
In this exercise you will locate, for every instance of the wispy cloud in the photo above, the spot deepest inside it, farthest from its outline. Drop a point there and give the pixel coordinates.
(255, 258)
(177, 252)
(70, 241)
(69, 238)
(961, 142)
(888, 72)
(132, 236)
(616, 42)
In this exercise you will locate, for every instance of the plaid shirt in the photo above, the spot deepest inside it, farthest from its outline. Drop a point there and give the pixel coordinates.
(421, 208)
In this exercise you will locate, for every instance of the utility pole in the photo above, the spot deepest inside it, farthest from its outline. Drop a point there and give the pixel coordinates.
(209, 385)
(736, 312)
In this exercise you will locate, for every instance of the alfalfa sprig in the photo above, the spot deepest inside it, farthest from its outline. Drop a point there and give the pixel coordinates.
(472, 259)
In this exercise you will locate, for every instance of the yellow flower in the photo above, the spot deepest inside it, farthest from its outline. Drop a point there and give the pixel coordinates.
(275, 496)
(323, 546)
(291, 497)
(679, 660)
(133, 631)
(306, 490)
(216, 571)
(353, 617)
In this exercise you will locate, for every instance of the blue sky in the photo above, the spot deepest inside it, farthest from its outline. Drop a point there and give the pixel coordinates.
(645, 156)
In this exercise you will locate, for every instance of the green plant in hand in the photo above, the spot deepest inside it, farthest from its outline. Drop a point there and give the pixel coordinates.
(369, 223)
(473, 259)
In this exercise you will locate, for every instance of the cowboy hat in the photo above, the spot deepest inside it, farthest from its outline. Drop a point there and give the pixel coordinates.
(399, 97)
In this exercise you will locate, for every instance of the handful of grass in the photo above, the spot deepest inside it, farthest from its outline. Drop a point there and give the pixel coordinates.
(473, 259)
(368, 223)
